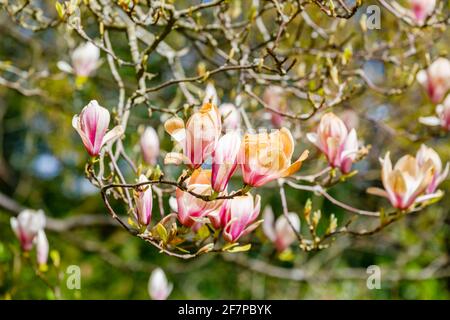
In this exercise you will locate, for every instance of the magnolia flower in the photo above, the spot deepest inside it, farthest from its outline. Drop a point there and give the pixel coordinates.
(159, 287)
(436, 79)
(144, 202)
(41, 247)
(211, 95)
(443, 116)
(280, 233)
(267, 156)
(333, 139)
(92, 124)
(224, 160)
(27, 225)
(190, 208)
(199, 138)
(422, 9)
(406, 183)
(149, 144)
(85, 60)
(241, 212)
(231, 118)
(423, 155)
(273, 97)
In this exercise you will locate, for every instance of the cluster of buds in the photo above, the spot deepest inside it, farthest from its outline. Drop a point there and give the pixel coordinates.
(29, 229)
(336, 142)
(413, 180)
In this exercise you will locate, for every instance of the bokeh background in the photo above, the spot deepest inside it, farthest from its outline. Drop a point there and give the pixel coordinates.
(42, 166)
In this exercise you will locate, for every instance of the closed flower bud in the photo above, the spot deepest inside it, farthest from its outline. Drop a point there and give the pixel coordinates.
(436, 79)
(241, 212)
(337, 144)
(159, 287)
(144, 202)
(26, 227)
(280, 232)
(422, 9)
(85, 60)
(42, 248)
(92, 124)
(224, 160)
(149, 144)
(231, 118)
(267, 156)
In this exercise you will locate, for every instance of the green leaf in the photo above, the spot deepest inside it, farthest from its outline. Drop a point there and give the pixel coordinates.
(240, 248)
(60, 10)
(162, 232)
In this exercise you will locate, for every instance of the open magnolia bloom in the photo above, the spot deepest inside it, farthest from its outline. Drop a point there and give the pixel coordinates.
(200, 135)
(422, 9)
(436, 79)
(423, 155)
(190, 208)
(85, 60)
(159, 287)
(406, 183)
(239, 215)
(92, 124)
(280, 231)
(337, 144)
(267, 156)
(443, 116)
(26, 227)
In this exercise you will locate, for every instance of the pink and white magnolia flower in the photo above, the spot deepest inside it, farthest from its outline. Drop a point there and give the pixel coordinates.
(159, 288)
(191, 209)
(267, 156)
(149, 144)
(423, 155)
(26, 227)
(422, 9)
(144, 202)
(85, 60)
(200, 136)
(406, 183)
(280, 232)
(241, 212)
(436, 79)
(231, 118)
(273, 97)
(224, 160)
(92, 124)
(42, 247)
(333, 139)
(443, 116)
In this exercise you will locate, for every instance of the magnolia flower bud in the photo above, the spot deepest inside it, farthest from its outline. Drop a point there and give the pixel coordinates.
(273, 97)
(159, 287)
(333, 139)
(224, 160)
(199, 137)
(436, 79)
(422, 9)
(231, 118)
(92, 124)
(423, 155)
(27, 225)
(41, 247)
(241, 213)
(267, 156)
(280, 233)
(149, 144)
(443, 116)
(85, 60)
(144, 202)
